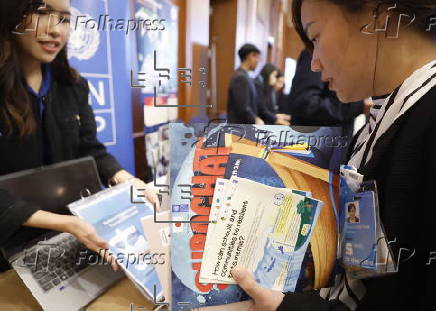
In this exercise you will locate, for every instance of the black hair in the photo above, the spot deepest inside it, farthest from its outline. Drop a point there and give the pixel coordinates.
(280, 74)
(350, 206)
(246, 49)
(16, 114)
(421, 10)
(266, 72)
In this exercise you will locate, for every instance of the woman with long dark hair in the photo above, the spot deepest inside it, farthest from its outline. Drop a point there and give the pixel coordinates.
(265, 82)
(266, 96)
(45, 117)
(372, 48)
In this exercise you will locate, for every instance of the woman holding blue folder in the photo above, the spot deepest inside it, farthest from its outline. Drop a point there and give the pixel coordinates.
(45, 117)
(372, 48)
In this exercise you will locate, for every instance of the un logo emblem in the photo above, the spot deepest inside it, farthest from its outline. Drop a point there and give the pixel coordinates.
(84, 41)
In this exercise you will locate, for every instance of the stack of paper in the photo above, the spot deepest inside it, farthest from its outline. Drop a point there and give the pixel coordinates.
(117, 219)
(264, 229)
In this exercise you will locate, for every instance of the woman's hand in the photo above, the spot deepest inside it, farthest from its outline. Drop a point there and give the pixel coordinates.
(149, 193)
(82, 230)
(264, 299)
(87, 234)
(259, 121)
(283, 119)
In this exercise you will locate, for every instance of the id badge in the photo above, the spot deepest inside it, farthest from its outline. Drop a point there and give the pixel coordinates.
(359, 232)
(363, 247)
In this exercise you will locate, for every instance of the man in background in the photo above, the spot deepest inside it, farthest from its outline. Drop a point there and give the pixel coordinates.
(242, 97)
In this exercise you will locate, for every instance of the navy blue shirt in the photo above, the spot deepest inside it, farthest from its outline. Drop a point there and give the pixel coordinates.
(39, 107)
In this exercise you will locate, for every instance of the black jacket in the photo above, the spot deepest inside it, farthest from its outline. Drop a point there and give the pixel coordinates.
(69, 131)
(404, 167)
(265, 102)
(311, 103)
(242, 99)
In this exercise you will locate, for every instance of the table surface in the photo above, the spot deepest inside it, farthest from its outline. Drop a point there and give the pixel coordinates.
(14, 296)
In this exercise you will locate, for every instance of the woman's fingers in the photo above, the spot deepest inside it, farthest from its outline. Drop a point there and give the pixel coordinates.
(150, 193)
(95, 243)
(110, 259)
(100, 242)
(104, 252)
(151, 196)
(247, 282)
(103, 248)
(264, 299)
(86, 234)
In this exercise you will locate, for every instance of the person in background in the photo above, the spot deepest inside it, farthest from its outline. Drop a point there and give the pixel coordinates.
(279, 88)
(45, 117)
(312, 103)
(242, 97)
(242, 105)
(266, 95)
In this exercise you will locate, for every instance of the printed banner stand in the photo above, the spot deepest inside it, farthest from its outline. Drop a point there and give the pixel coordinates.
(92, 52)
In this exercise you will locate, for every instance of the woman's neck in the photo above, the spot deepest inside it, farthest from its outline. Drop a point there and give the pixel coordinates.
(32, 73)
(399, 58)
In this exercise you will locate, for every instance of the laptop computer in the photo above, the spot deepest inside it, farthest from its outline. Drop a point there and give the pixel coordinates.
(56, 267)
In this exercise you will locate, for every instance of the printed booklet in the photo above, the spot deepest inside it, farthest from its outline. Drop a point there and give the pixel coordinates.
(301, 159)
(267, 233)
(116, 213)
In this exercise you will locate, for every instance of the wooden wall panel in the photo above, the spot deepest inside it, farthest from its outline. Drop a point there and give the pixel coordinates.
(223, 29)
(195, 57)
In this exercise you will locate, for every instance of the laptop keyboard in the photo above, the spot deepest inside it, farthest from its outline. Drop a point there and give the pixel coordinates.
(53, 263)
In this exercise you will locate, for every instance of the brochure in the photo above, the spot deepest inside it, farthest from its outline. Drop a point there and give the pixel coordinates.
(300, 158)
(267, 234)
(117, 219)
(310, 167)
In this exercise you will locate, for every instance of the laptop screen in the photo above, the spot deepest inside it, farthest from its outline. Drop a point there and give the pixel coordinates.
(52, 187)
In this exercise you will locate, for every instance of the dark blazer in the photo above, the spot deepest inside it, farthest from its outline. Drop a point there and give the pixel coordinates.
(265, 101)
(311, 103)
(69, 131)
(242, 99)
(404, 167)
